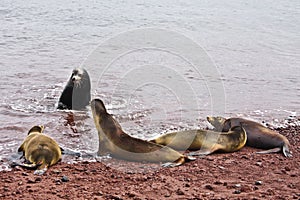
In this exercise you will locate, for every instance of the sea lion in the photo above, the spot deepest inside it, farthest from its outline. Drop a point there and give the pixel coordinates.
(206, 140)
(77, 93)
(113, 140)
(40, 151)
(258, 136)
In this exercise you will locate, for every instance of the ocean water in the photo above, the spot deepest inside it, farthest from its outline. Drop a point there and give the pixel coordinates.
(252, 47)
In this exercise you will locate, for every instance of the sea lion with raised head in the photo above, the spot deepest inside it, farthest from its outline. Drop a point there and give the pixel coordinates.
(40, 151)
(205, 141)
(77, 93)
(113, 140)
(258, 136)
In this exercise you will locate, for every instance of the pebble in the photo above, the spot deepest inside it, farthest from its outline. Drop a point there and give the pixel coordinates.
(38, 179)
(209, 187)
(64, 179)
(179, 192)
(237, 192)
(258, 182)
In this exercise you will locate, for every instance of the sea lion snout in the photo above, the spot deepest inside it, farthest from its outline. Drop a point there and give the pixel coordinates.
(98, 106)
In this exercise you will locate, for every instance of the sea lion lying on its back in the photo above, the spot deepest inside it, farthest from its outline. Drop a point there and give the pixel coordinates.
(206, 140)
(258, 136)
(77, 93)
(113, 140)
(39, 150)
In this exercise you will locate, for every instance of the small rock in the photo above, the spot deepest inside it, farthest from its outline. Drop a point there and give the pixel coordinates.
(167, 194)
(221, 167)
(258, 183)
(218, 183)
(24, 174)
(64, 179)
(209, 159)
(131, 195)
(258, 164)
(56, 171)
(287, 169)
(209, 187)
(237, 185)
(179, 192)
(30, 181)
(38, 179)
(237, 192)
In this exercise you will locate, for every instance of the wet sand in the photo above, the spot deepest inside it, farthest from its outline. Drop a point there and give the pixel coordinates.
(240, 175)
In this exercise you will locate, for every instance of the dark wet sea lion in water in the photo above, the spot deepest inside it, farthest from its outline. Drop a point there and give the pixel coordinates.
(113, 140)
(77, 93)
(258, 136)
(39, 150)
(206, 140)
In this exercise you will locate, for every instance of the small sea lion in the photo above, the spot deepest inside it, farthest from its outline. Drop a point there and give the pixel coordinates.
(206, 141)
(40, 151)
(258, 136)
(113, 140)
(77, 93)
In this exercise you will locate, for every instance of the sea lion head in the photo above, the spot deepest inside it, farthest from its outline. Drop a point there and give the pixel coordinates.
(217, 122)
(80, 78)
(98, 107)
(36, 129)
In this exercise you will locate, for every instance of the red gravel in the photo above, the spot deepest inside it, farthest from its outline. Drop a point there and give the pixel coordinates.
(239, 175)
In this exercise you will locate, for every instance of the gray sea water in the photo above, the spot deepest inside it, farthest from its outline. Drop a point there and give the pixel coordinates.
(254, 47)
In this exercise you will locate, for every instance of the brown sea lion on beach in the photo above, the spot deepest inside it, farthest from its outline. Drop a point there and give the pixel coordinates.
(258, 136)
(206, 140)
(113, 140)
(39, 150)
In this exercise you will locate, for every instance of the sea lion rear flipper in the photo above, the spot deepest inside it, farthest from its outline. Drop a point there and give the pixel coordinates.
(274, 150)
(286, 152)
(171, 164)
(40, 171)
(25, 165)
(200, 153)
(179, 161)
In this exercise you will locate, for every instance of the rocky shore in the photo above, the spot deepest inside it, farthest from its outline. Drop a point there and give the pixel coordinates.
(240, 175)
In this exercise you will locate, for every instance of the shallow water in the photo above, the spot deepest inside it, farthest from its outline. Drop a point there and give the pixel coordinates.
(254, 47)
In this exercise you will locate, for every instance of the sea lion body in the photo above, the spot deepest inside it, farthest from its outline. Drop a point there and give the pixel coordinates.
(113, 140)
(258, 136)
(77, 93)
(39, 150)
(205, 140)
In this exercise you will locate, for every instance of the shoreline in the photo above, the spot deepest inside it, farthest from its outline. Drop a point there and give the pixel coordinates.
(239, 175)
